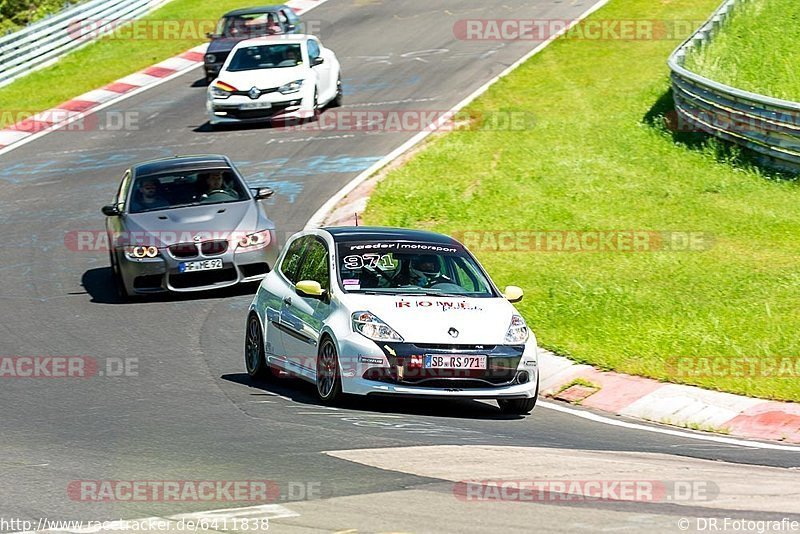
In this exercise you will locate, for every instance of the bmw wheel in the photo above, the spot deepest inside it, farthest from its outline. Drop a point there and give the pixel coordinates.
(116, 274)
(254, 359)
(329, 381)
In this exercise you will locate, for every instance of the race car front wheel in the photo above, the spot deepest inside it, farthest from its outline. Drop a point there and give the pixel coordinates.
(516, 406)
(329, 380)
(254, 359)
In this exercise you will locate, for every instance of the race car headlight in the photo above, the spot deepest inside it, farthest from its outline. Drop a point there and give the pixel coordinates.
(221, 90)
(368, 325)
(517, 331)
(139, 253)
(255, 241)
(211, 58)
(291, 87)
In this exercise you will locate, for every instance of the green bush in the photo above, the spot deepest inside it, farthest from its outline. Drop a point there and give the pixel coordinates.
(15, 14)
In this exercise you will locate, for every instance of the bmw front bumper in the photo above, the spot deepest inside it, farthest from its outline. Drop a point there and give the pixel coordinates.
(163, 273)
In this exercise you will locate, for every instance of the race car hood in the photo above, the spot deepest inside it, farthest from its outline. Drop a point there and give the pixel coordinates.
(166, 227)
(479, 321)
(224, 45)
(264, 78)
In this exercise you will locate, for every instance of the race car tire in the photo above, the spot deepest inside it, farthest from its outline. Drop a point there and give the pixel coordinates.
(254, 358)
(329, 379)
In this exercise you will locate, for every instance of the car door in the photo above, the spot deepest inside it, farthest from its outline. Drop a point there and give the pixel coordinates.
(278, 289)
(323, 70)
(115, 225)
(304, 316)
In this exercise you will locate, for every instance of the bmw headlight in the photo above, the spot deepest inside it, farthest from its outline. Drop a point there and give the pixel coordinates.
(139, 253)
(368, 325)
(211, 58)
(517, 331)
(221, 90)
(255, 241)
(291, 87)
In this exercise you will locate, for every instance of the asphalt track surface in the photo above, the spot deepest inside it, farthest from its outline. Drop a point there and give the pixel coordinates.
(192, 413)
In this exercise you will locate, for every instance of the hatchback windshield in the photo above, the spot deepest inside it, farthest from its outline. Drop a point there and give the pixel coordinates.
(266, 57)
(178, 189)
(394, 267)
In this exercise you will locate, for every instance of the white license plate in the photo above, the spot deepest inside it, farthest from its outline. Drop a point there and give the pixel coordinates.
(203, 265)
(446, 361)
(256, 105)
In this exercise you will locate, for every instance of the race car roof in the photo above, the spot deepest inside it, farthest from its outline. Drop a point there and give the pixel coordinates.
(254, 10)
(342, 234)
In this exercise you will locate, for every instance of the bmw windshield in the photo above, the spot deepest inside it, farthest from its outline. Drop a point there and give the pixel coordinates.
(405, 267)
(180, 189)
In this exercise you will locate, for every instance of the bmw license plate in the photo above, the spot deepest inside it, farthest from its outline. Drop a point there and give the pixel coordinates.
(448, 361)
(256, 105)
(202, 265)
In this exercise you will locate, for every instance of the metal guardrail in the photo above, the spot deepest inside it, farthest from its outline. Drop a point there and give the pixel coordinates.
(45, 41)
(768, 126)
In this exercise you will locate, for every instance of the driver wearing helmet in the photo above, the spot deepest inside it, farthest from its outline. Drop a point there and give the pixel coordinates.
(424, 270)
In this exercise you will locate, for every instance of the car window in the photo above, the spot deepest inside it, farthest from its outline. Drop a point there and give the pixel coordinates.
(246, 25)
(186, 188)
(122, 192)
(292, 258)
(283, 18)
(464, 275)
(315, 264)
(265, 57)
(313, 49)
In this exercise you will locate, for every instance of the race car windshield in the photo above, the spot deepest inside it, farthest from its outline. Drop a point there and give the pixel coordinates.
(250, 25)
(266, 57)
(404, 267)
(177, 190)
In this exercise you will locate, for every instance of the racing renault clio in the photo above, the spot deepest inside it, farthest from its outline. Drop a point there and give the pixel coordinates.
(388, 311)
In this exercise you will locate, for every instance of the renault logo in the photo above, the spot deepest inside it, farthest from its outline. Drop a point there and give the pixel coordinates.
(254, 93)
(453, 332)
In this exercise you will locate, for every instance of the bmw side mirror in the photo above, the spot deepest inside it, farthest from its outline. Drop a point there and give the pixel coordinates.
(111, 210)
(310, 288)
(262, 192)
(317, 61)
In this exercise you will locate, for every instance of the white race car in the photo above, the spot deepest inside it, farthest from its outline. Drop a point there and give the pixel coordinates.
(387, 311)
(281, 77)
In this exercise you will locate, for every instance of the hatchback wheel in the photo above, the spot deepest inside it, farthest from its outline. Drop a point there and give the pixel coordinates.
(329, 380)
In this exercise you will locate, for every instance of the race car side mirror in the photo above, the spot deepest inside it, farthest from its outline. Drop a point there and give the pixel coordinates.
(513, 293)
(317, 61)
(310, 288)
(262, 192)
(111, 211)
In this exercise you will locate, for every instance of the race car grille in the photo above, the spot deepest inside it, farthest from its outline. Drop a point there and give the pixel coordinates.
(246, 114)
(435, 346)
(183, 250)
(441, 378)
(214, 248)
(203, 278)
(263, 92)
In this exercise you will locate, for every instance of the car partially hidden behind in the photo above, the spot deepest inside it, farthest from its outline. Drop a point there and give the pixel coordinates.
(283, 78)
(240, 24)
(390, 311)
(186, 224)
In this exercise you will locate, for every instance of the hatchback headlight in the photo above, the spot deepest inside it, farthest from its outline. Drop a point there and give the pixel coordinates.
(517, 331)
(139, 253)
(291, 87)
(368, 325)
(255, 241)
(221, 90)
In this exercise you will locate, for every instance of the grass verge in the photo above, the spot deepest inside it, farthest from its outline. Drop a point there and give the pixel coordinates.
(756, 50)
(597, 159)
(113, 57)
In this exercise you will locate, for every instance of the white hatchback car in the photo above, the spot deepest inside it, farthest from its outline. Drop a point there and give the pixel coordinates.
(280, 77)
(388, 311)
